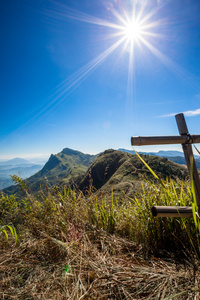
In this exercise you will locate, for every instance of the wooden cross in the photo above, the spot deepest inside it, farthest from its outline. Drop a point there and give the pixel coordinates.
(186, 140)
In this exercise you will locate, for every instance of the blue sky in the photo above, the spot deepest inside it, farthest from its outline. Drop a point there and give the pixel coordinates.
(71, 76)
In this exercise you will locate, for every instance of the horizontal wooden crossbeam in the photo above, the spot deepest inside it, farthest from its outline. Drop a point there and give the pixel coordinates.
(162, 140)
(186, 140)
(172, 211)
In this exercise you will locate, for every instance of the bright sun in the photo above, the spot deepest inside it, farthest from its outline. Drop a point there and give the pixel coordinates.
(133, 31)
(135, 28)
(127, 29)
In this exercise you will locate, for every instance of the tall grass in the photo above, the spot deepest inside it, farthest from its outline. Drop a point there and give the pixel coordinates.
(68, 213)
(100, 242)
(185, 231)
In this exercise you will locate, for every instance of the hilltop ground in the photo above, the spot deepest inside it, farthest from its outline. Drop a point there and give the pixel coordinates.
(78, 245)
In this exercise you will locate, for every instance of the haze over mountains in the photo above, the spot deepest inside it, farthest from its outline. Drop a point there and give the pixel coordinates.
(65, 165)
(161, 153)
(17, 166)
(115, 170)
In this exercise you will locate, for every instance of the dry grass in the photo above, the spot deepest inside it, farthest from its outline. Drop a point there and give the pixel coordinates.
(73, 247)
(102, 266)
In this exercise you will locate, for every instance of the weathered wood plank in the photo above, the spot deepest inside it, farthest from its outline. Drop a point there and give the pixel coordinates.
(172, 211)
(189, 157)
(186, 140)
(162, 140)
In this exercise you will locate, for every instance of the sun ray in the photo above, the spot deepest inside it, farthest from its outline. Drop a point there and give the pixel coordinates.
(187, 77)
(129, 28)
(64, 89)
(63, 13)
(137, 28)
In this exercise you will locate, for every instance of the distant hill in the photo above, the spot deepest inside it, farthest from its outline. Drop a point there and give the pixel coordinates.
(15, 161)
(22, 161)
(161, 153)
(175, 156)
(16, 167)
(169, 153)
(5, 182)
(65, 166)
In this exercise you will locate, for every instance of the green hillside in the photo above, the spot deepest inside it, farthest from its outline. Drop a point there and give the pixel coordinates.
(123, 172)
(65, 165)
(111, 170)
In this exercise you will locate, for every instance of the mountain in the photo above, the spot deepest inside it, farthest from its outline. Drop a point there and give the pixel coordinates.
(161, 153)
(112, 169)
(66, 165)
(169, 153)
(16, 167)
(5, 182)
(15, 161)
(175, 156)
(123, 172)
(181, 161)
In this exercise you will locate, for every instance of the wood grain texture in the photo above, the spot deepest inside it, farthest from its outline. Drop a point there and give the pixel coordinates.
(172, 211)
(189, 157)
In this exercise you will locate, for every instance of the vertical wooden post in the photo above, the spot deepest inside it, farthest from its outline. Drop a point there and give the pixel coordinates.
(189, 157)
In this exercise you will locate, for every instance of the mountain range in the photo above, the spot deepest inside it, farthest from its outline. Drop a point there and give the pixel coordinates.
(175, 156)
(115, 170)
(17, 166)
(161, 153)
(67, 165)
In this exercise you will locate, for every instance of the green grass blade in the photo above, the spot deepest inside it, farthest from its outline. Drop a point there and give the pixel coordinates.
(6, 234)
(144, 162)
(12, 230)
(148, 167)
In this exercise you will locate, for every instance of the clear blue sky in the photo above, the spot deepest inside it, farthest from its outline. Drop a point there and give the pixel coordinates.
(72, 75)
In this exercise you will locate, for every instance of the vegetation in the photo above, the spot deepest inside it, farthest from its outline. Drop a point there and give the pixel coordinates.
(64, 167)
(112, 169)
(74, 246)
(123, 173)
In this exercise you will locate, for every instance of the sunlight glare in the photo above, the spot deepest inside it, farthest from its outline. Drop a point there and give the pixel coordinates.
(129, 29)
(133, 30)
